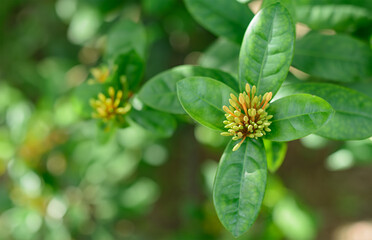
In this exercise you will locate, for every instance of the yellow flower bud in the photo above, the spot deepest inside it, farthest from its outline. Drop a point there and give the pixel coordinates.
(246, 116)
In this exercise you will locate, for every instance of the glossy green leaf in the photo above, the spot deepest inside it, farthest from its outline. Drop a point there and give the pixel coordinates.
(222, 54)
(125, 36)
(225, 18)
(353, 110)
(338, 15)
(297, 116)
(275, 154)
(160, 91)
(158, 123)
(131, 66)
(334, 57)
(239, 185)
(203, 99)
(267, 49)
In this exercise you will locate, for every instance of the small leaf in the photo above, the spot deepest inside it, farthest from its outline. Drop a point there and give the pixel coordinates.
(125, 36)
(158, 123)
(297, 116)
(222, 54)
(225, 18)
(275, 153)
(131, 66)
(160, 91)
(353, 110)
(239, 186)
(267, 49)
(337, 57)
(203, 99)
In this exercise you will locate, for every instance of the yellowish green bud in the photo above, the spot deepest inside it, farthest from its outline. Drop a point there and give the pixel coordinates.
(246, 115)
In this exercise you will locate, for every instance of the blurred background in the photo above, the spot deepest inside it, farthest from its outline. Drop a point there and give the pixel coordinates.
(63, 177)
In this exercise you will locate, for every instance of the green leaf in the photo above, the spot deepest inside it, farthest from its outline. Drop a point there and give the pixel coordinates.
(160, 91)
(297, 116)
(267, 49)
(239, 185)
(353, 110)
(222, 54)
(363, 87)
(288, 4)
(340, 16)
(157, 7)
(132, 67)
(158, 123)
(334, 57)
(225, 18)
(124, 36)
(203, 99)
(275, 153)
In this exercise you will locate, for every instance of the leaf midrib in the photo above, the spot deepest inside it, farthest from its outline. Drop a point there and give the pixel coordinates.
(241, 179)
(206, 101)
(352, 113)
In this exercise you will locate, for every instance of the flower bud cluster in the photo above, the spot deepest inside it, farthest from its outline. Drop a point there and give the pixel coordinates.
(109, 107)
(246, 116)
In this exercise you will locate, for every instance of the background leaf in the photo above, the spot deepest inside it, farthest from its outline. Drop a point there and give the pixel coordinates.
(158, 123)
(336, 57)
(363, 87)
(239, 185)
(353, 110)
(267, 49)
(224, 18)
(297, 116)
(222, 54)
(124, 36)
(275, 154)
(340, 15)
(132, 67)
(203, 99)
(160, 91)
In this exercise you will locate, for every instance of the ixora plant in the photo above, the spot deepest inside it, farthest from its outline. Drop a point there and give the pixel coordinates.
(243, 109)
(265, 57)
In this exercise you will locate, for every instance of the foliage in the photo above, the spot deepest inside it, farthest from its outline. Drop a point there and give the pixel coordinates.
(265, 56)
(99, 99)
